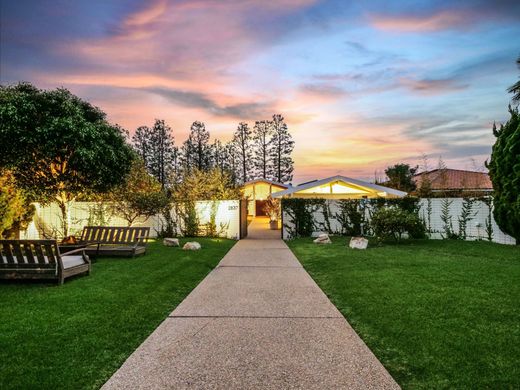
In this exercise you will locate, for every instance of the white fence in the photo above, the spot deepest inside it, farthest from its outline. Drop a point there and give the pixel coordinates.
(48, 220)
(475, 230)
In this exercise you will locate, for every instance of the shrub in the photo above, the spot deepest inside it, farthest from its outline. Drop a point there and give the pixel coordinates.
(393, 222)
(300, 213)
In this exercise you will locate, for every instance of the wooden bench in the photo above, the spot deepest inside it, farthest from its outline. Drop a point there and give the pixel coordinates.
(115, 240)
(40, 259)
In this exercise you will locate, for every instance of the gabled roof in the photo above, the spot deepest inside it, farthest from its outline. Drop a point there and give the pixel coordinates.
(455, 179)
(274, 183)
(347, 180)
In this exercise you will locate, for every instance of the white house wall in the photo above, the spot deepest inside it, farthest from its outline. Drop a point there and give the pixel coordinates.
(227, 219)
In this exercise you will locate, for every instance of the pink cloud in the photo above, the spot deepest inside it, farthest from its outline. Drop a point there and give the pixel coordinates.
(432, 86)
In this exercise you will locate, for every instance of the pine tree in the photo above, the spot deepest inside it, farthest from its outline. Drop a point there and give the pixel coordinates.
(242, 147)
(231, 162)
(196, 150)
(218, 155)
(161, 152)
(262, 132)
(141, 143)
(282, 146)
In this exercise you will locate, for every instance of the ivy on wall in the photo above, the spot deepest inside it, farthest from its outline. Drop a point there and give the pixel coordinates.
(352, 215)
(300, 212)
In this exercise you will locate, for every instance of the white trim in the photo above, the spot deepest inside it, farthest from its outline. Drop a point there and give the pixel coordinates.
(375, 187)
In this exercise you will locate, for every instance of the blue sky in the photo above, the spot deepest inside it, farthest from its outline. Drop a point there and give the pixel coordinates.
(361, 84)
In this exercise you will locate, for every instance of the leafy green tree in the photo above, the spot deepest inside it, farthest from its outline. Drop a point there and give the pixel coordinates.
(139, 197)
(515, 88)
(400, 177)
(13, 204)
(59, 146)
(282, 146)
(504, 171)
(213, 184)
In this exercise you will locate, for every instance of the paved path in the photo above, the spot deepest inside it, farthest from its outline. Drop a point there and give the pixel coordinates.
(258, 320)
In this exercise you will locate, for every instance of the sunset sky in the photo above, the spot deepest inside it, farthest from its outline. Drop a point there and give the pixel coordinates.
(361, 84)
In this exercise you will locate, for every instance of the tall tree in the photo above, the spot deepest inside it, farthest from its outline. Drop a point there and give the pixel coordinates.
(231, 162)
(504, 171)
(218, 155)
(282, 146)
(58, 146)
(242, 146)
(196, 149)
(161, 149)
(400, 177)
(262, 132)
(515, 88)
(141, 143)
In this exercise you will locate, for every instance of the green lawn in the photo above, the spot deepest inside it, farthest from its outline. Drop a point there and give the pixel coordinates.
(76, 335)
(438, 314)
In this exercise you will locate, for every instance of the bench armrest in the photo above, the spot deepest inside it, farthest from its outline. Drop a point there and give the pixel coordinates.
(71, 252)
(79, 250)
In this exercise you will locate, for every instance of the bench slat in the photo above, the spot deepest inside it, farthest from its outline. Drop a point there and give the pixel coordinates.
(50, 253)
(29, 253)
(39, 254)
(18, 253)
(7, 252)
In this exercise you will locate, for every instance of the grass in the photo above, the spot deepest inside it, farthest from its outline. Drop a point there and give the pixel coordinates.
(76, 335)
(438, 314)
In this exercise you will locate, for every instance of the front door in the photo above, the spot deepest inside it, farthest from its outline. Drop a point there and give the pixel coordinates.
(260, 206)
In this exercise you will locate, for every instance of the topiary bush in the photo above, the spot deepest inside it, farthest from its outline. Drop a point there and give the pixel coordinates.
(393, 223)
(504, 171)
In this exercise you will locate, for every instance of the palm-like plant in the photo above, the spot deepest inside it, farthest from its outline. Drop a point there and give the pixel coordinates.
(515, 88)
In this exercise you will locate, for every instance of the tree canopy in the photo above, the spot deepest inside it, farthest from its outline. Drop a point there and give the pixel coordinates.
(504, 171)
(59, 146)
(400, 177)
(515, 88)
(140, 196)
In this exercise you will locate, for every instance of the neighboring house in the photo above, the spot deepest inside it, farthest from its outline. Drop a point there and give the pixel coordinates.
(339, 187)
(257, 191)
(455, 181)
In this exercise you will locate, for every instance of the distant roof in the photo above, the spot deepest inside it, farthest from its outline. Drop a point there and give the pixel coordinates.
(274, 183)
(455, 179)
(347, 180)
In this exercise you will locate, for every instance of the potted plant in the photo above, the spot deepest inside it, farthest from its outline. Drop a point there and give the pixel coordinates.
(272, 208)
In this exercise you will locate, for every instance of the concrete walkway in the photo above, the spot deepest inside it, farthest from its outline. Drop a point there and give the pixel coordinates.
(258, 320)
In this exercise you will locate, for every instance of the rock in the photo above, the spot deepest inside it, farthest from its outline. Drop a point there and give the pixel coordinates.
(171, 242)
(358, 243)
(323, 238)
(191, 246)
(317, 234)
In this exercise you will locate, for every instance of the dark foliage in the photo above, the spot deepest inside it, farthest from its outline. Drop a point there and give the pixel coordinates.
(504, 171)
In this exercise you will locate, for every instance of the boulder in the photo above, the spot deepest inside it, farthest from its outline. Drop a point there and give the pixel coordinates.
(323, 238)
(317, 234)
(358, 243)
(171, 242)
(191, 246)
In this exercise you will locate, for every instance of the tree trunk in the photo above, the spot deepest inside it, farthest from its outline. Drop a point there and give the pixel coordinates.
(65, 216)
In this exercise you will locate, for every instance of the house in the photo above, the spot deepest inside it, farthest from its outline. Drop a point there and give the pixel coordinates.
(257, 191)
(455, 181)
(339, 187)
